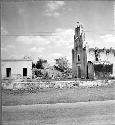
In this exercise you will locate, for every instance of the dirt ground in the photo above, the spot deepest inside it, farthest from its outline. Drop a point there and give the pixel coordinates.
(81, 113)
(52, 96)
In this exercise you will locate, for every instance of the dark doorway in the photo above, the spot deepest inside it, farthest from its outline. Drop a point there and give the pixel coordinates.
(79, 72)
(24, 71)
(78, 56)
(8, 72)
(87, 73)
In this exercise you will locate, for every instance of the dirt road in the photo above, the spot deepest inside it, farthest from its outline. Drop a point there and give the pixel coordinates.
(81, 113)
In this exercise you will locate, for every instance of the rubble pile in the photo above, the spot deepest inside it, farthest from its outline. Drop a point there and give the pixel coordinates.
(35, 85)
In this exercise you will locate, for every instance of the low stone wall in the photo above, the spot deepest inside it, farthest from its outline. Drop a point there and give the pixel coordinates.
(16, 85)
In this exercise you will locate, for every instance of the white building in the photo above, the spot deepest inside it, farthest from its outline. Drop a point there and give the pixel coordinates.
(16, 67)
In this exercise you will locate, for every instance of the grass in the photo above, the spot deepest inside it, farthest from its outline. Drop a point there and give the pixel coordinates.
(95, 113)
(65, 95)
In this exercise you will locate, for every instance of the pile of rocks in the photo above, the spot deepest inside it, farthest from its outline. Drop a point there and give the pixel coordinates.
(17, 85)
(96, 83)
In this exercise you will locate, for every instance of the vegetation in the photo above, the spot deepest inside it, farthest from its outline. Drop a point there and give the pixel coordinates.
(103, 70)
(39, 64)
(66, 95)
(62, 65)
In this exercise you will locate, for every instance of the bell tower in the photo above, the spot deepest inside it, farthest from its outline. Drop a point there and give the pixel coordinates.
(79, 57)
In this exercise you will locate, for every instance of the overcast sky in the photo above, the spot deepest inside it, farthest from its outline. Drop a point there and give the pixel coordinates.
(45, 28)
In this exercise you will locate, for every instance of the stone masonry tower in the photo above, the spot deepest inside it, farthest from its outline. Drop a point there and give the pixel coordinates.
(79, 56)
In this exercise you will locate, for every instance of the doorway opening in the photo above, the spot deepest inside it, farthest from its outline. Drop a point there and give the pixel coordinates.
(79, 72)
(8, 72)
(24, 71)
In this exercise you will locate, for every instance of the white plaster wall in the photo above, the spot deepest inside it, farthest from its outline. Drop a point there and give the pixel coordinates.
(90, 56)
(103, 57)
(107, 57)
(17, 67)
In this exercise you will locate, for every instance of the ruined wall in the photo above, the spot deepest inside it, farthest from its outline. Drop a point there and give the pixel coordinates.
(90, 70)
(110, 57)
(85, 62)
(103, 70)
(73, 64)
(90, 55)
(105, 55)
(17, 67)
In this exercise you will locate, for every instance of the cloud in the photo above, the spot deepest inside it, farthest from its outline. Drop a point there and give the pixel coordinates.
(55, 14)
(3, 49)
(56, 55)
(51, 57)
(3, 31)
(7, 47)
(63, 37)
(10, 46)
(35, 49)
(14, 56)
(52, 7)
(6, 51)
(107, 41)
(57, 45)
(114, 14)
(109, 38)
(21, 11)
(35, 40)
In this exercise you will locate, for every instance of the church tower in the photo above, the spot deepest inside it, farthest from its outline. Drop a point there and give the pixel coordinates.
(79, 56)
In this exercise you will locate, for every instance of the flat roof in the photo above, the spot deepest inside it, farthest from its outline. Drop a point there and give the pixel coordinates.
(102, 62)
(6, 60)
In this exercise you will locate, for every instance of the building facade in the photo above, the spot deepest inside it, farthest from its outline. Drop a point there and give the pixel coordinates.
(105, 57)
(15, 67)
(79, 56)
(91, 62)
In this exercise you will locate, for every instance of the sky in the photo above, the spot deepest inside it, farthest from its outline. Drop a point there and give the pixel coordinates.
(45, 29)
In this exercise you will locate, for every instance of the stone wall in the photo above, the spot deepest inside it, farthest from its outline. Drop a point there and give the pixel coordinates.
(56, 84)
(105, 55)
(90, 70)
(16, 68)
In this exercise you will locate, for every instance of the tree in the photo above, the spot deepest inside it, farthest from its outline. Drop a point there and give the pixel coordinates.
(46, 75)
(40, 62)
(96, 54)
(33, 65)
(62, 64)
(38, 72)
(103, 70)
